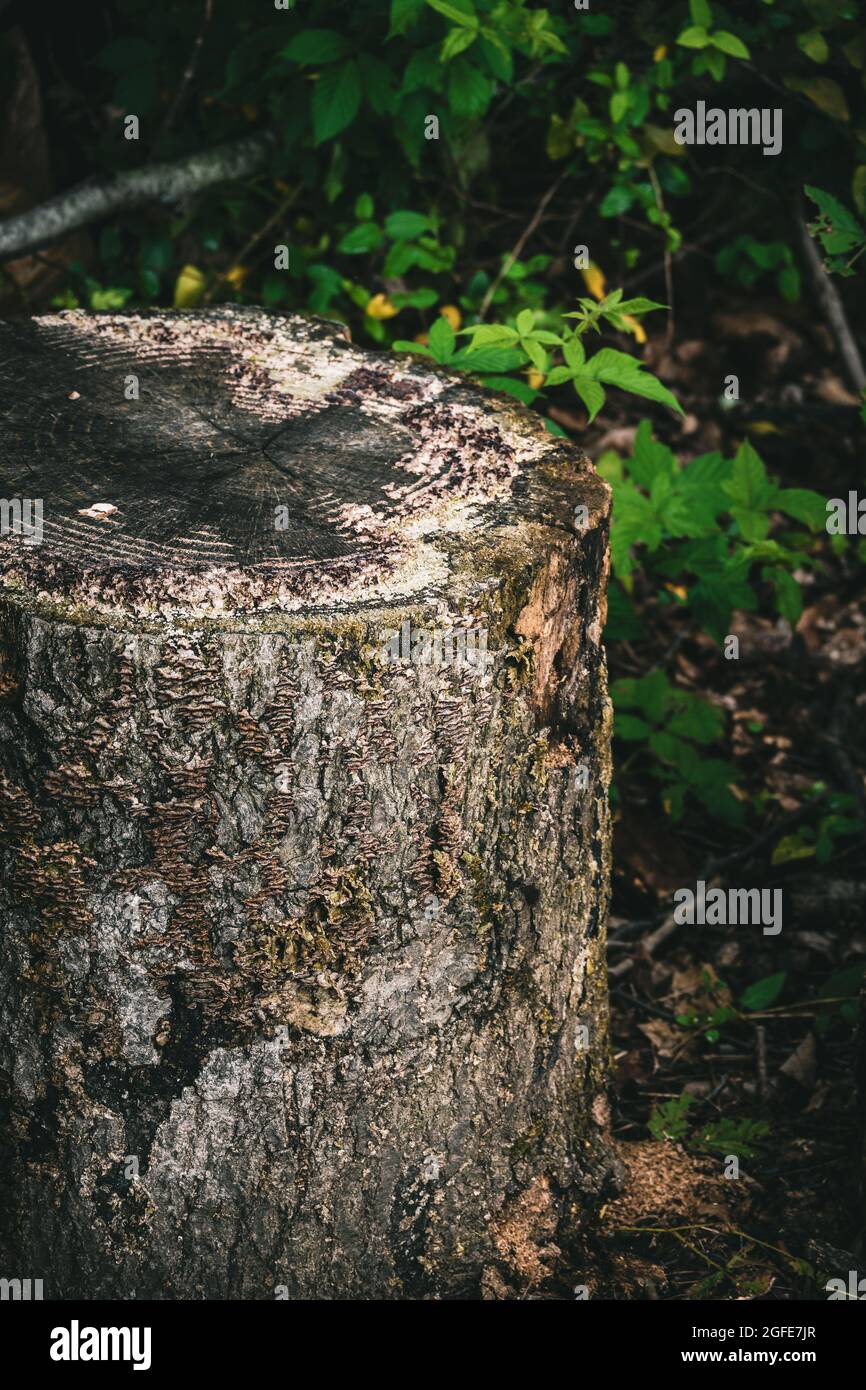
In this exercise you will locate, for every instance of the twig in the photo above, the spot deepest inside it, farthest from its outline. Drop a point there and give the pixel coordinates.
(833, 310)
(761, 1057)
(515, 251)
(89, 201)
(188, 72)
(253, 241)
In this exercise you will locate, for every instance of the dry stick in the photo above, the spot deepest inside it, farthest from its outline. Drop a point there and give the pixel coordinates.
(89, 201)
(761, 1051)
(833, 311)
(252, 242)
(188, 72)
(514, 253)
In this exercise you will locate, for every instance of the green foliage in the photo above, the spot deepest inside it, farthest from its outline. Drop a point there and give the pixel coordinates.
(556, 358)
(670, 1120)
(729, 1135)
(672, 728)
(703, 530)
(838, 231)
(745, 260)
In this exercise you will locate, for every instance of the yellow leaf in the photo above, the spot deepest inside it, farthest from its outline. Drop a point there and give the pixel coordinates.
(660, 52)
(657, 139)
(678, 590)
(791, 847)
(762, 427)
(381, 307)
(236, 276)
(560, 138)
(421, 338)
(535, 378)
(825, 93)
(594, 280)
(636, 328)
(452, 314)
(188, 287)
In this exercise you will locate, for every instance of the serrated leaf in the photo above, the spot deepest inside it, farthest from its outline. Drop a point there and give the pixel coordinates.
(441, 340)
(469, 91)
(336, 98)
(591, 394)
(803, 504)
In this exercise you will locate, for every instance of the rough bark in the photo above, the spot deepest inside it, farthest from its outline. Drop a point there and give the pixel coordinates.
(65, 213)
(304, 936)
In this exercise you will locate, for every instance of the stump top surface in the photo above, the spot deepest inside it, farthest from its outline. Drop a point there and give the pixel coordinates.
(162, 444)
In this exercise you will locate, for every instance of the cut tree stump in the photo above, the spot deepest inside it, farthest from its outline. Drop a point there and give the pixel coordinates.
(303, 896)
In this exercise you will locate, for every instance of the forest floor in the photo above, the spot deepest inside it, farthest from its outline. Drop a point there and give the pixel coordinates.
(698, 1077)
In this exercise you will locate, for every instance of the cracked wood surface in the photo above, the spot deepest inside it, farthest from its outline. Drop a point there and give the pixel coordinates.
(296, 942)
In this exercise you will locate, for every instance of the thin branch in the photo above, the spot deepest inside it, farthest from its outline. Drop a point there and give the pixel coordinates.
(188, 72)
(833, 310)
(514, 253)
(89, 201)
(253, 242)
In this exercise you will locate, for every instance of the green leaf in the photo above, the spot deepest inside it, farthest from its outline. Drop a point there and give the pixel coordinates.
(729, 43)
(764, 992)
(701, 13)
(463, 14)
(698, 720)
(591, 394)
(441, 340)
(789, 595)
(616, 201)
(814, 45)
(695, 36)
(404, 15)
(619, 104)
(650, 458)
(618, 369)
(336, 98)
(316, 46)
(803, 504)
(361, 240)
(748, 484)
(630, 728)
(469, 91)
(455, 42)
(406, 226)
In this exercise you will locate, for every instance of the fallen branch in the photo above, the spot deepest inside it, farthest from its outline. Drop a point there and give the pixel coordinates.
(92, 200)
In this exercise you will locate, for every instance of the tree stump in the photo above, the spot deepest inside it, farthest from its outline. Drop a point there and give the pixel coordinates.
(304, 753)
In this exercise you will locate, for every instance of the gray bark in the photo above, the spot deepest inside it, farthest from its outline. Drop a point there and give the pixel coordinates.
(88, 202)
(303, 936)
